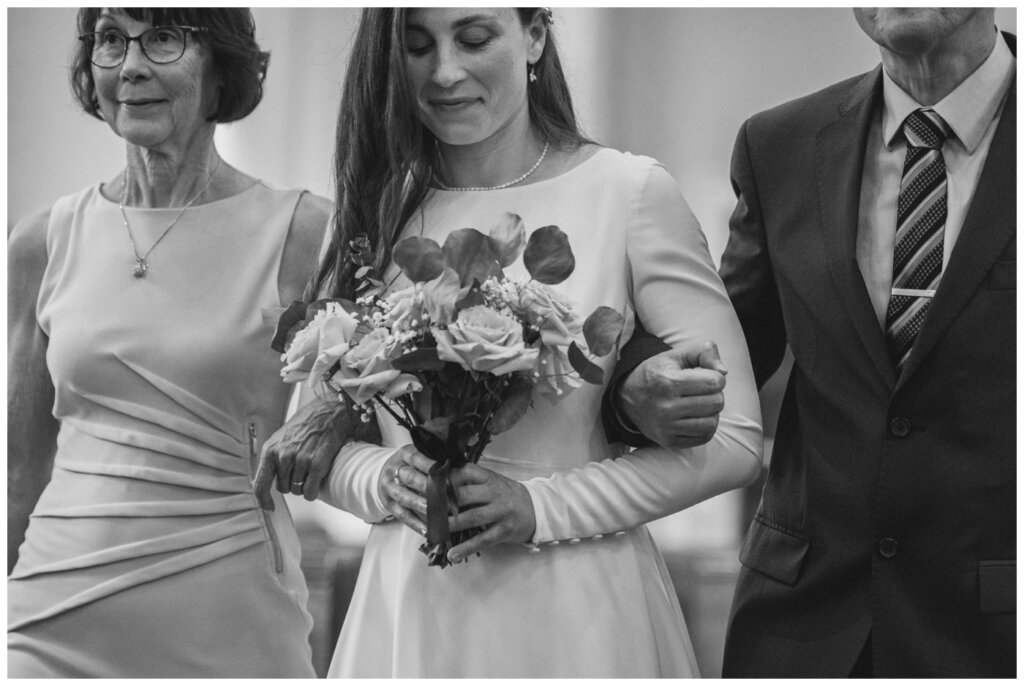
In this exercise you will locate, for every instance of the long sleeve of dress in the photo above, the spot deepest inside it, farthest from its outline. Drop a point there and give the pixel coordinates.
(679, 297)
(351, 485)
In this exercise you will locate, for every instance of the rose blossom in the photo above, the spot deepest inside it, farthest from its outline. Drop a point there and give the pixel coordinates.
(366, 367)
(559, 325)
(319, 344)
(485, 341)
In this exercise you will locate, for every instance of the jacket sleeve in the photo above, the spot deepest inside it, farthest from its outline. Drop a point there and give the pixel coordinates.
(747, 271)
(678, 294)
(617, 428)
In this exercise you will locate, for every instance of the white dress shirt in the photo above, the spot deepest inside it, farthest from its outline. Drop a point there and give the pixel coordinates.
(972, 112)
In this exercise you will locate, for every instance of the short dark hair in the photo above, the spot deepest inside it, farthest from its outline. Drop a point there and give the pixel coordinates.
(238, 61)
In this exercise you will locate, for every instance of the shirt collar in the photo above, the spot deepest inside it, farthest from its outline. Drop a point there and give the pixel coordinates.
(968, 110)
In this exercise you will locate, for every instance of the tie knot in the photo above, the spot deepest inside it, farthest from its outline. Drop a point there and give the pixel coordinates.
(924, 128)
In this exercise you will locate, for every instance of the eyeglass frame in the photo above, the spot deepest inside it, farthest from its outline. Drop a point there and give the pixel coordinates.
(186, 30)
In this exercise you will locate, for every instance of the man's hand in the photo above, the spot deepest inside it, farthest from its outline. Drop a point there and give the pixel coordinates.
(301, 453)
(674, 398)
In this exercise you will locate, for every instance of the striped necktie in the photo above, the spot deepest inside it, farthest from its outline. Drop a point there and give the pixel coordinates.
(920, 225)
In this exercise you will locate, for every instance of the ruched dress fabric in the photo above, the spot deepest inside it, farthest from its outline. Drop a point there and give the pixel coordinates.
(595, 600)
(147, 554)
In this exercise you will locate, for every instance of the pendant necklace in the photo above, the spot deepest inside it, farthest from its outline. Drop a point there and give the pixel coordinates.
(141, 265)
(513, 182)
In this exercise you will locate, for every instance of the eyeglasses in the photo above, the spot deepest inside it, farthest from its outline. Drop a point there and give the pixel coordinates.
(160, 44)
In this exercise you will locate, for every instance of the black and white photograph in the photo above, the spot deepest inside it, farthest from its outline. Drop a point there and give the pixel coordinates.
(555, 342)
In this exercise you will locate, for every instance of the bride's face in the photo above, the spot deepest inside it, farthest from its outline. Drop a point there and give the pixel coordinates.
(468, 69)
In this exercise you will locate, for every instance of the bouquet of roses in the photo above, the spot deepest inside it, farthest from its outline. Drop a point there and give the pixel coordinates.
(456, 357)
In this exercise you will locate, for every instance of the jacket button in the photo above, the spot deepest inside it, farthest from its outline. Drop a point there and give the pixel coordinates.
(887, 548)
(899, 427)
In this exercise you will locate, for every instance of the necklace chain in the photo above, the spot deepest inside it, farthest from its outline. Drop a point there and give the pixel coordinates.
(141, 265)
(543, 153)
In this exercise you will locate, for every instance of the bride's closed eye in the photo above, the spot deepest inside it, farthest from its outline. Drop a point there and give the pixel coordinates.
(475, 39)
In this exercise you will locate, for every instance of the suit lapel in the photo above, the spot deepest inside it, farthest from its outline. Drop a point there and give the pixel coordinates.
(989, 225)
(839, 166)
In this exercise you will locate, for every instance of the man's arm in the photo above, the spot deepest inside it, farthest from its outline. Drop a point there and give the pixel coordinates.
(747, 271)
(664, 396)
(641, 346)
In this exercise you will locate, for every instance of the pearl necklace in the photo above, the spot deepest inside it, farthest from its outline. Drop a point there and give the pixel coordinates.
(141, 265)
(513, 182)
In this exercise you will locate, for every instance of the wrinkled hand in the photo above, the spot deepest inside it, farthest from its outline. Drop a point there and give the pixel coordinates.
(500, 506)
(674, 398)
(401, 487)
(301, 453)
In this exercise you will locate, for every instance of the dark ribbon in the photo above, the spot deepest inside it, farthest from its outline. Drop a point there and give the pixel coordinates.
(437, 503)
(439, 492)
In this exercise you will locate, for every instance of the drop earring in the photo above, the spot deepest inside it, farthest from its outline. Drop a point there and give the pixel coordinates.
(533, 73)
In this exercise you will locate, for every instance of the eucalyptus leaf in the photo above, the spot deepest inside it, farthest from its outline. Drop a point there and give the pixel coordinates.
(517, 401)
(587, 370)
(440, 296)
(602, 329)
(288, 324)
(548, 257)
(472, 255)
(421, 259)
(509, 234)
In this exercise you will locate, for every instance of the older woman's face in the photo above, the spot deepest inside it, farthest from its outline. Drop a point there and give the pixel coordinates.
(468, 69)
(156, 106)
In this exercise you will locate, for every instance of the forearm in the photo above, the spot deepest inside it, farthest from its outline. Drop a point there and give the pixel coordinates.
(679, 297)
(617, 494)
(351, 485)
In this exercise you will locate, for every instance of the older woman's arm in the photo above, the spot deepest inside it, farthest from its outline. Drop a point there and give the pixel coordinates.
(303, 451)
(31, 426)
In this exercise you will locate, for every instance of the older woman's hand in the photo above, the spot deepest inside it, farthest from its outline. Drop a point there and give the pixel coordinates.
(301, 453)
(500, 506)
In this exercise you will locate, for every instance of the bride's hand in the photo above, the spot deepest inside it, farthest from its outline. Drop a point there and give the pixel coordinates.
(500, 506)
(401, 486)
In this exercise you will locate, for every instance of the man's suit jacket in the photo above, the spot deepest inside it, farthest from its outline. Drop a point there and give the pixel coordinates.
(889, 507)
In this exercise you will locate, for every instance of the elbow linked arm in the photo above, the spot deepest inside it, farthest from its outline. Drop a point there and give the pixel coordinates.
(680, 298)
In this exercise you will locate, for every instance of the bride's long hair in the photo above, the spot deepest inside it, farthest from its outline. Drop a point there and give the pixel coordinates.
(384, 155)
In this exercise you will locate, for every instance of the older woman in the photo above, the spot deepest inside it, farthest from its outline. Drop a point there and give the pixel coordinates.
(451, 117)
(140, 382)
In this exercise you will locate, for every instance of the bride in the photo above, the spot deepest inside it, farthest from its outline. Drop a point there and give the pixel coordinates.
(449, 118)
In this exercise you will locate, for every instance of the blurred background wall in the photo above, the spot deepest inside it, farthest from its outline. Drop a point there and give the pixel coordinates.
(672, 83)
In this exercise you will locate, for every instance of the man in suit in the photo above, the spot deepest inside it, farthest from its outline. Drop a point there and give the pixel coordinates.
(875, 235)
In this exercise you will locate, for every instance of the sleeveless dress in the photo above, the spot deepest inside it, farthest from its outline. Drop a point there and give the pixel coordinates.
(593, 598)
(147, 554)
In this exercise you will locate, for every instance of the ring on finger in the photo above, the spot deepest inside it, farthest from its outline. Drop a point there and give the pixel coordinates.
(298, 484)
(398, 477)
